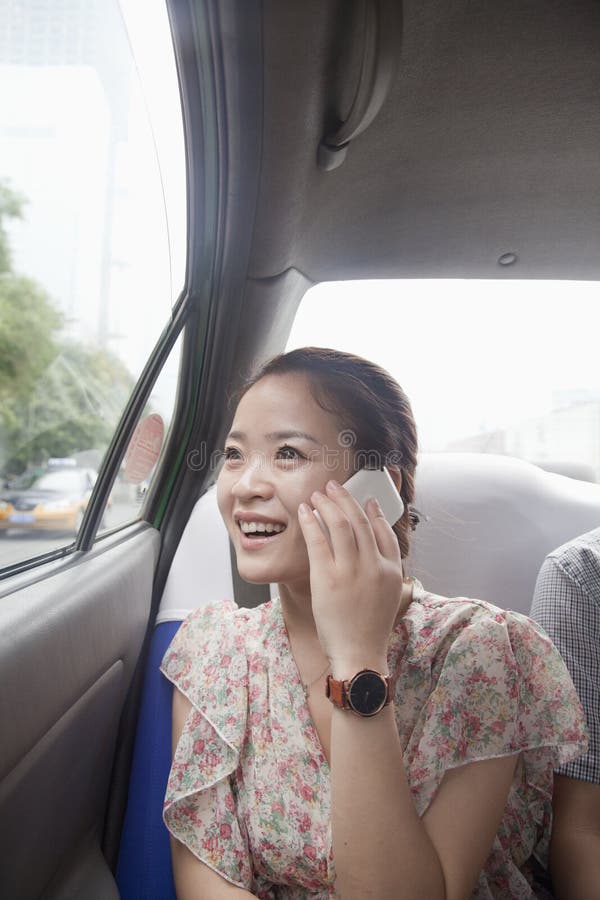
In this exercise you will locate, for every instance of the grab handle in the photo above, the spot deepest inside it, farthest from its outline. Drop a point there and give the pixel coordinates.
(382, 27)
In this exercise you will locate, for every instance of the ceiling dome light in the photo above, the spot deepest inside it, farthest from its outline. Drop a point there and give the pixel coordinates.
(507, 259)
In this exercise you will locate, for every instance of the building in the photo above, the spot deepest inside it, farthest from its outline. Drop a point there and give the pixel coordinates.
(569, 434)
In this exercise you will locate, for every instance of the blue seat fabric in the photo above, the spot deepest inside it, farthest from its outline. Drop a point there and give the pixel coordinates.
(144, 868)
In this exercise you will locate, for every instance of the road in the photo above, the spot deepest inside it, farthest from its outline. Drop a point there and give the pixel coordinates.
(18, 545)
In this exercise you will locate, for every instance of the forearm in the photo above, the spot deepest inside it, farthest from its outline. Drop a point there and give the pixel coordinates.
(575, 844)
(381, 848)
(575, 865)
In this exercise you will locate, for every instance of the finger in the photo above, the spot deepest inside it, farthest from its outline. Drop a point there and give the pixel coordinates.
(363, 531)
(341, 533)
(387, 542)
(317, 543)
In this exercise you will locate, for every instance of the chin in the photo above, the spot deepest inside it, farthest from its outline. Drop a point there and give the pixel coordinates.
(257, 574)
(274, 571)
(251, 578)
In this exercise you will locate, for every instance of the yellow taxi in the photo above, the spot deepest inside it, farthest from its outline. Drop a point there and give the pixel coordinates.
(55, 501)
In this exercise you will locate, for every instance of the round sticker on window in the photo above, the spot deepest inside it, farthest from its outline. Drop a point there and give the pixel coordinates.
(144, 448)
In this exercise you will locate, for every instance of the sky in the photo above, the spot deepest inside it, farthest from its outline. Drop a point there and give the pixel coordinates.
(472, 355)
(55, 149)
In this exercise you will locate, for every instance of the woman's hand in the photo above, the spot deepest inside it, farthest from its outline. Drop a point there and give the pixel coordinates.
(356, 581)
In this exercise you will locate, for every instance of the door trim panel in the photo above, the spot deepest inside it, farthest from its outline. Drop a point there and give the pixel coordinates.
(69, 644)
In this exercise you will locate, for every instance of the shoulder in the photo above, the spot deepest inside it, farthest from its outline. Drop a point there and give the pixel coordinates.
(567, 590)
(227, 618)
(472, 646)
(441, 625)
(219, 636)
(578, 560)
(489, 682)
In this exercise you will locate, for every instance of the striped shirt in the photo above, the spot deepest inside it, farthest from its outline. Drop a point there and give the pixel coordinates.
(567, 605)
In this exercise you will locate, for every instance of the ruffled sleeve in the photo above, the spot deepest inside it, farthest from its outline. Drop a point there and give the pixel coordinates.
(207, 662)
(500, 687)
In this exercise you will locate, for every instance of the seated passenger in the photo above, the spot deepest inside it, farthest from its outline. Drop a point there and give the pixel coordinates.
(437, 784)
(567, 604)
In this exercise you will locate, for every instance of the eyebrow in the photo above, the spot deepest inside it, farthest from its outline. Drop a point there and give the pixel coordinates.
(274, 436)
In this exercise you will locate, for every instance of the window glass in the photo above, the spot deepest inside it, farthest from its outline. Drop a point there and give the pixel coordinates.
(505, 367)
(144, 453)
(92, 244)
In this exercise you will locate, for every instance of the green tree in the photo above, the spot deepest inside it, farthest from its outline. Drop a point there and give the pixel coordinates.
(57, 396)
(73, 406)
(28, 326)
(11, 207)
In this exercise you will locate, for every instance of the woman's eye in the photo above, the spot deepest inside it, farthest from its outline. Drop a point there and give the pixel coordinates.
(286, 453)
(231, 454)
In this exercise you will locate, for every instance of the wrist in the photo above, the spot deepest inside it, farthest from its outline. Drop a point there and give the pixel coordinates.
(366, 693)
(346, 666)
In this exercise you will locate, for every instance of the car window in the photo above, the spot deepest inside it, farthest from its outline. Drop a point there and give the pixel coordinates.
(92, 243)
(144, 453)
(506, 367)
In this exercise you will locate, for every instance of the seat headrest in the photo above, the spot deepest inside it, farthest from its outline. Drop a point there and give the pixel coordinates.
(490, 521)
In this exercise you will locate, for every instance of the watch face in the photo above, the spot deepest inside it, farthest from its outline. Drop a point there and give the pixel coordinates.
(367, 693)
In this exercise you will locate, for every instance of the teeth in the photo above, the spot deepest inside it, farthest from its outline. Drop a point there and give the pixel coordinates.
(261, 527)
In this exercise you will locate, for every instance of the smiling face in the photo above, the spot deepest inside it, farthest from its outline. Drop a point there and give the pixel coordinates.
(282, 446)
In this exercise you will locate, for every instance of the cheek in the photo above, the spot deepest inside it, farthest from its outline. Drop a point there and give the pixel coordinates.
(223, 494)
(304, 487)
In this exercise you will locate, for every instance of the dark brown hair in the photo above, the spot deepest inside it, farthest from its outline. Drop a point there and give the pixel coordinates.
(373, 412)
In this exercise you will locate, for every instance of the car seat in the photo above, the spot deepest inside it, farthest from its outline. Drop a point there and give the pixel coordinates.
(489, 522)
(144, 866)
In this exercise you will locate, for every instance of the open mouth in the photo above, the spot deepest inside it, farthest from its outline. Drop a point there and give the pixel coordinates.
(261, 529)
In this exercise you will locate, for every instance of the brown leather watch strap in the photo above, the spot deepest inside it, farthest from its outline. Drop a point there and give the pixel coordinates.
(336, 692)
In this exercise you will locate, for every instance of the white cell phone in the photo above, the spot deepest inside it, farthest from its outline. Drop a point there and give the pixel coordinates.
(376, 483)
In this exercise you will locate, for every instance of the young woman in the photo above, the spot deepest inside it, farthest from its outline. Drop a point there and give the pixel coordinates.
(278, 789)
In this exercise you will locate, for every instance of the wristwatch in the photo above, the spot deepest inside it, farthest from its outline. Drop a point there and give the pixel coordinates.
(366, 694)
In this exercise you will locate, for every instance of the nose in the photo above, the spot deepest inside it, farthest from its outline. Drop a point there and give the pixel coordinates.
(253, 481)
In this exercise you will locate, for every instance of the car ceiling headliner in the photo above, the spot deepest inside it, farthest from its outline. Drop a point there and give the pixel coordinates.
(487, 143)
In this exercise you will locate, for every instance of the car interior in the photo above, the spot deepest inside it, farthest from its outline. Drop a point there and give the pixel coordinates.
(325, 141)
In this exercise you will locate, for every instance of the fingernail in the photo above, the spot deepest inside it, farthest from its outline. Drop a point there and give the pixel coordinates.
(303, 509)
(333, 485)
(375, 506)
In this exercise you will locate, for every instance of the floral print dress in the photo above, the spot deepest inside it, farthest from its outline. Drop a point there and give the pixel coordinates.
(249, 788)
